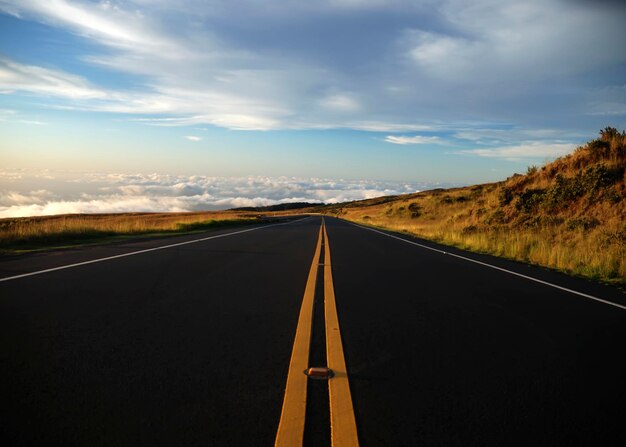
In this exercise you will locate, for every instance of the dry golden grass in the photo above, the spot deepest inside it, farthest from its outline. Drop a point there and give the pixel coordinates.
(30, 232)
(569, 215)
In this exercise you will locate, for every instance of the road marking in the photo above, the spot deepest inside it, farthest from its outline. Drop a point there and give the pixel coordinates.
(342, 423)
(530, 278)
(108, 258)
(291, 426)
(292, 419)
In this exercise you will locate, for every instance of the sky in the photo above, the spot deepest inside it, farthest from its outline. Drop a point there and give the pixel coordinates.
(156, 105)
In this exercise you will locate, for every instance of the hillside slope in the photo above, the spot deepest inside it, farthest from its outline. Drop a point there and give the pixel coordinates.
(569, 214)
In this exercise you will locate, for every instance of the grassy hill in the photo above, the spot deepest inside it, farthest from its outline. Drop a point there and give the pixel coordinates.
(569, 214)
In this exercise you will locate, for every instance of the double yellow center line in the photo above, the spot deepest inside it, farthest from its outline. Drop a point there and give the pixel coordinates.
(342, 423)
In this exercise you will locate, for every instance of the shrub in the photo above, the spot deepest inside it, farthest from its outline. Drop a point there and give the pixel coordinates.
(563, 192)
(415, 210)
(505, 196)
(608, 133)
(583, 223)
(613, 196)
(600, 176)
(447, 200)
(598, 147)
(496, 218)
(532, 222)
(529, 200)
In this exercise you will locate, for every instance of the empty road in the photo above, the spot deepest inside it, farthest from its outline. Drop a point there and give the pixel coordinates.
(192, 340)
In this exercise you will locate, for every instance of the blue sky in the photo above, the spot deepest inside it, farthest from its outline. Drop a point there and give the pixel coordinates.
(425, 92)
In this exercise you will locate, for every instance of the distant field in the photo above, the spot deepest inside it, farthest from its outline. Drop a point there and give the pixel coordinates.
(569, 215)
(32, 233)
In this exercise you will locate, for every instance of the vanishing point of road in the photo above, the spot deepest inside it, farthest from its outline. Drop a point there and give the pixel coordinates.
(204, 340)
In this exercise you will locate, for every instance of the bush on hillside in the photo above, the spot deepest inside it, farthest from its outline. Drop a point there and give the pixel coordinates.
(589, 173)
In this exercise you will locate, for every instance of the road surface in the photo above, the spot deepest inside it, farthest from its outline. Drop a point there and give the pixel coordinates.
(190, 340)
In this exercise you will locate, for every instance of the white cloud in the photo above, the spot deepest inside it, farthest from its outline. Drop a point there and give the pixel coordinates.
(530, 40)
(443, 55)
(526, 150)
(379, 126)
(113, 204)
(216, 108)
(110, 193)
(417, 139)
(193, 138)
(341, 103)
(104, 22)
(13, 198)
(198, 62)
(510, 136)
(33, 79)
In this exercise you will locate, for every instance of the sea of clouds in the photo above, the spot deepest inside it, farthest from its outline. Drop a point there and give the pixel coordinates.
(36, 193)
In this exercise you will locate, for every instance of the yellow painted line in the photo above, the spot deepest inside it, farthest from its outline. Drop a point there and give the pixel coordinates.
(342, 423)
(291, 427)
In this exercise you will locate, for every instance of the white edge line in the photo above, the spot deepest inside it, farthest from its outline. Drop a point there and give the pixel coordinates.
(108, 258)
(610, 303)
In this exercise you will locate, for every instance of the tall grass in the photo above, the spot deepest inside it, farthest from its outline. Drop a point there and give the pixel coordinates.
(31, 232)
(595, 255)
(568, 215)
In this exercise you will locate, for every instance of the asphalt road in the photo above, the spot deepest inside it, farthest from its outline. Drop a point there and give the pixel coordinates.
(190, 345)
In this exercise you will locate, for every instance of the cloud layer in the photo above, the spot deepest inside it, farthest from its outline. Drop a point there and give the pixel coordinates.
(111, 193)
(521, 151)
(359, 64)
(416, 139)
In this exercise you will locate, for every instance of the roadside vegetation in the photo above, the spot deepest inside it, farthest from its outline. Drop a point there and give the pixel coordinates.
(569, 215)
(44, 232)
